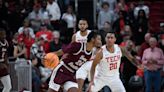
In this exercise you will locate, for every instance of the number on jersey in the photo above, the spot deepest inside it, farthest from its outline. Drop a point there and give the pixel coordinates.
(113, 66)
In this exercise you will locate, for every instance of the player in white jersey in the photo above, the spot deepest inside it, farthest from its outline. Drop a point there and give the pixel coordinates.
(81, 35)
(84, 71)
(108, 58)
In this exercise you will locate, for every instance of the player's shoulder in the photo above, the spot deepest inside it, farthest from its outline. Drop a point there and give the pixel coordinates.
(103, 48)
(76, 44)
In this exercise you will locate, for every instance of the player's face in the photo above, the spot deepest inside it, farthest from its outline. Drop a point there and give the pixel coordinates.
(98, 42)
(110, 39)
(83, 25)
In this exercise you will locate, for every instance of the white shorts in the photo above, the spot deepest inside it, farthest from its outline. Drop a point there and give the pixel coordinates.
(114, 83)
(84, 71)
(67, 85)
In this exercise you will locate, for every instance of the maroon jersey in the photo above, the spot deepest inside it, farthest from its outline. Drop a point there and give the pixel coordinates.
(77, 56)
(3, 61)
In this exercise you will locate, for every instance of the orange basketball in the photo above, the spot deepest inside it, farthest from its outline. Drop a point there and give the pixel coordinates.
(51, 60)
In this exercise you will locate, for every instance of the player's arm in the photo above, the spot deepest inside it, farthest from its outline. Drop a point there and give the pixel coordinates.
(129, 56)
(59, 52)
(73, 38)
(96, 60)
(71, 48)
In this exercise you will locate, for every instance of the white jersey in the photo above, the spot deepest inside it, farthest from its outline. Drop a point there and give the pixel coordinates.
(110, 63)
(80, 38)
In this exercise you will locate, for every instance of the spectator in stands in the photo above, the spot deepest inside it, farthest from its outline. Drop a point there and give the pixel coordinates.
(119, 25)
(13, 43)
(36, 76)
(70, 19)
(106, 28)
(45, 14)
(144, 45)
(141, 6)
(20, 50)
(26, 27)
(46, 34)
(130, 14)
(127, 65)
(121, 6)
(35, 17)
(105, 15)
(126, 35)
(161, 36)
(153, 61)
(28, 41)
(126, 32)
(141, 27)
(54, 12)
(55, 44)
(112, 4)
(25, 7)
(37, 50)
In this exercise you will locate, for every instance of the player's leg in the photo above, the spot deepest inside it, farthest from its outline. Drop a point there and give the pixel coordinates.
(116, 85)
(80, 84)
(51, 90)
(70, 86)
(98, 85)
(54, 87)
(6, 81)
(82, 74)
(73, 89)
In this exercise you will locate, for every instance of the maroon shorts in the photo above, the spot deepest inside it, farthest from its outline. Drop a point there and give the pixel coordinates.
(63, 75)
(3, 70)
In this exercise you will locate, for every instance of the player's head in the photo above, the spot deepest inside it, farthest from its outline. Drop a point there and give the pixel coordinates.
(93, 38)
(98, 42)
(110, 38)
(83, 24)
(2, 34)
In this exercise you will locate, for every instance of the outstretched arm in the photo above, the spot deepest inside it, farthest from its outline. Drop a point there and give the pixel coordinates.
(96, 60)
(131, 58)
(59, 52)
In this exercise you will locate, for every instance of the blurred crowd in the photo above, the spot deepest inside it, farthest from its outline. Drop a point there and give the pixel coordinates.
(37, 27)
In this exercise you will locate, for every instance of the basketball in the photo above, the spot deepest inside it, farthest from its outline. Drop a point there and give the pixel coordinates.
(51, 60)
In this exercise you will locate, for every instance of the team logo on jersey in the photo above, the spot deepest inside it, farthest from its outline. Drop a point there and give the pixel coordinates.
(113, 61)
(113, 58)
(79, 63)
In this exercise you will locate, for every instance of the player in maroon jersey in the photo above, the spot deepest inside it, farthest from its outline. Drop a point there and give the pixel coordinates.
(4, 75)
(76, 54)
